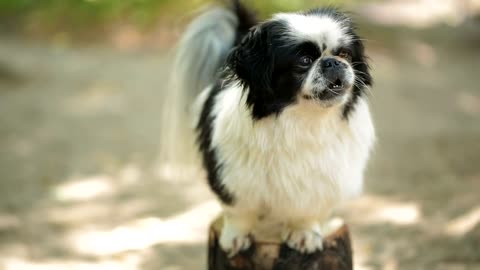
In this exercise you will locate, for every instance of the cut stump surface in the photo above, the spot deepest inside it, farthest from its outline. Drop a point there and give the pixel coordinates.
(336, 254)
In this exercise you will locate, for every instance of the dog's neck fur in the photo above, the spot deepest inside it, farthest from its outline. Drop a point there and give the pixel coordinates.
(292, 160)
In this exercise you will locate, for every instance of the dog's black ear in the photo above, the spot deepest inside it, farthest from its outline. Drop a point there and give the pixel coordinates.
(361, 62)
(252, 62)
(362, 74)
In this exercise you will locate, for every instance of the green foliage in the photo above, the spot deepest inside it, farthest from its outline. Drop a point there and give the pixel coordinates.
(78, 13)
(83, 11)
(270, 6)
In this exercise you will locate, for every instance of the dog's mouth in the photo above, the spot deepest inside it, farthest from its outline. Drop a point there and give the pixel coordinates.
(336, 85)
(333, 90)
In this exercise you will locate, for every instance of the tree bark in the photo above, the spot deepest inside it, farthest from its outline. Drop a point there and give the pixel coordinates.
(336, 254)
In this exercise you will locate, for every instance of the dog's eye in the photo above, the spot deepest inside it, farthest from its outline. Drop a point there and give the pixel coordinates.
(306, 60)
(345, 55)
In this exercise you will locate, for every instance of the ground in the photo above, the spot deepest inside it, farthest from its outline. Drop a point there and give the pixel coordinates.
(82, 185)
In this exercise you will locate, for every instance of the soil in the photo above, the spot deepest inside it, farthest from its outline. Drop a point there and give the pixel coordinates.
(82, 187)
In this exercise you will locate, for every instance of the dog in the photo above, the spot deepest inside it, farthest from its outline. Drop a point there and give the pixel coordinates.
(281, 117)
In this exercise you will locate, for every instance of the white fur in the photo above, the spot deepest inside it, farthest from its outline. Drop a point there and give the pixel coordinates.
(235, 233)
(306, 240)
(322, 30)
(316, 80)
(293, 168)
(301, 163)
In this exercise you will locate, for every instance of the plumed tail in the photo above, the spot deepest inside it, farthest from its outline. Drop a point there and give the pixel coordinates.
(204, 47)
(200, 54)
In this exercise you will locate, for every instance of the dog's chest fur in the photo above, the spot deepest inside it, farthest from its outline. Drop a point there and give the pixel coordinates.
(301, 162)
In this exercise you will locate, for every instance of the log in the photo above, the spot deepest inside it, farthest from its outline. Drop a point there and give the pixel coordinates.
(336, 253)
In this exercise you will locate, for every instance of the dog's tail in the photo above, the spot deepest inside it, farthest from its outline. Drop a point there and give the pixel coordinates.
(200, 54)
(205, 45)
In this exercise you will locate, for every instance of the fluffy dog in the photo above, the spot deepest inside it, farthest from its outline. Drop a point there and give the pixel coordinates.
(282, 121)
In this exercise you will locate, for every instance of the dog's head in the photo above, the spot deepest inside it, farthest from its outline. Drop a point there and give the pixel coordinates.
(314, 56)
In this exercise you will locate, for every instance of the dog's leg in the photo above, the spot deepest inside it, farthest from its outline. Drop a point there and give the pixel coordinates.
(305, 234)
(237, 226)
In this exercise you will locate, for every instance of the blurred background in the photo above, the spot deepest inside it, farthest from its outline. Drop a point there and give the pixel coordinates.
(82, 181)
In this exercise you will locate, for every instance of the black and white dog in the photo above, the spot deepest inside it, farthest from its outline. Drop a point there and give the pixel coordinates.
(282, 121)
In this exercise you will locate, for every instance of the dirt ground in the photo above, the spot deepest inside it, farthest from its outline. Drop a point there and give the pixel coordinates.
(81, 185)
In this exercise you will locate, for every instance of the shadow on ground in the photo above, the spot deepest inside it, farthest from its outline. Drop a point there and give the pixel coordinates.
(81, 186)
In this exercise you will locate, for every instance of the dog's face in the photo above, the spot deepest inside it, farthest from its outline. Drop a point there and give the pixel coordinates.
(314, 56)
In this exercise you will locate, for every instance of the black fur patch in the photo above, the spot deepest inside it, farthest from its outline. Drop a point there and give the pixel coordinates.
(246, 20)
(204, 140)
(359, 60)
(362, 74)
(265, 61)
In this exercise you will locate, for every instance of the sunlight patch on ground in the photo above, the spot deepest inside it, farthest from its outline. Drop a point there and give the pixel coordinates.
(85, 188)
(362, 253)
(186, 228)
(463, 224)
(129, 263)
(97, 186)
(372, 209)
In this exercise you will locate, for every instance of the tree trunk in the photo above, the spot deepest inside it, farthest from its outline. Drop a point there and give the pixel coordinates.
(336, 254)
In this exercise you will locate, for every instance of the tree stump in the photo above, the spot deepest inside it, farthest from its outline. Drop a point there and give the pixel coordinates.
(336, 253)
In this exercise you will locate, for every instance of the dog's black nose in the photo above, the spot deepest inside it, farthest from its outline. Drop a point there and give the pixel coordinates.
(330, 63)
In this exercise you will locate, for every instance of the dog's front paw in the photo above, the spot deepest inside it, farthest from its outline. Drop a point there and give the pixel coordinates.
(305, 241)
(233, 241)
